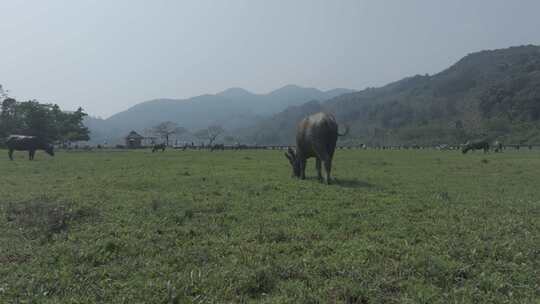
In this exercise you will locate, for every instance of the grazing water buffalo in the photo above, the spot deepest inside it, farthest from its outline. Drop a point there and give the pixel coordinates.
(498, 146)
(28, 143)
(157, 147)
(476, 145)
(217, 147)
(316, 136)
(240, 146)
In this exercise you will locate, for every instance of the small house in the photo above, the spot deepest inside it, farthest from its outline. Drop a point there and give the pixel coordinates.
(134, 140)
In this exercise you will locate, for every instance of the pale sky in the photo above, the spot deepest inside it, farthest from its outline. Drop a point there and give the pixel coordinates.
(111, 54)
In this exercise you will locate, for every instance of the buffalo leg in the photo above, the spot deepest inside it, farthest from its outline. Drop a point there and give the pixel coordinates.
(10, 153)
(303, 169)
(318, 167)
(328, 168)
(31, 154)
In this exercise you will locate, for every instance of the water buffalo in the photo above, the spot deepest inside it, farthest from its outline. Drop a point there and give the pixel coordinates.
(476, 145)
(316, 136)
(239, 146)
(158, 147)
(28, 143)
(217, 147)
(498, 146)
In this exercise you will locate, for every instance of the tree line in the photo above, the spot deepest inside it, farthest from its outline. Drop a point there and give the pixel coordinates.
(166, 129)
(44, 120)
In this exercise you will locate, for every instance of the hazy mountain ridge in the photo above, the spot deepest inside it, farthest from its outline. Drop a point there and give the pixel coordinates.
(234, 108)
(493, 94)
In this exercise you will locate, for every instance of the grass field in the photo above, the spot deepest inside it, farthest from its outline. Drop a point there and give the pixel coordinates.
(230, 227)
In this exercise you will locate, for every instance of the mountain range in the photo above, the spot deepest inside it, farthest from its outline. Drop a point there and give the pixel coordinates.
(234, 108)
(493, 95)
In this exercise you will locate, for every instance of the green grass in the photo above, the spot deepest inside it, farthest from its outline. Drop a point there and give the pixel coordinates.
(202, 227)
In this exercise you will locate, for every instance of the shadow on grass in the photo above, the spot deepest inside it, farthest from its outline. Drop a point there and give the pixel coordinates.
(352, 183)
(344, 182)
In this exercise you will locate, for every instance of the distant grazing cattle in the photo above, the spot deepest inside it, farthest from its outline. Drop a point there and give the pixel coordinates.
(217, 147)
(28, 143)
(443, 147)
(497, 146)
(240, 146)
(158, 147)
(476, 145)
(316, 136)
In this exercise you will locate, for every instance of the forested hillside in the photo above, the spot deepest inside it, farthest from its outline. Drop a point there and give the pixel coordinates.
(490, 94)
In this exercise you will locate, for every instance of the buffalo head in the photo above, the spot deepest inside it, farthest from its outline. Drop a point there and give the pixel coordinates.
(293, 160)
(49, 149)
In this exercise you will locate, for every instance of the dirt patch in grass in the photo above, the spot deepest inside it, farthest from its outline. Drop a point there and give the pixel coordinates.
(14, 259)
(257, 282)
(43, 218)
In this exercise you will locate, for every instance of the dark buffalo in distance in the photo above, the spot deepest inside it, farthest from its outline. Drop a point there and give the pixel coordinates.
(476, 145)
(158, 147)
(498, 146)
(217, 147)
(28, 143)
(316, 136)
(241, 147)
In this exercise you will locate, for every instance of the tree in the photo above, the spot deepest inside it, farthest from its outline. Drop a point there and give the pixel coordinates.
(168, 128)
(210, 133)
(71, 127)
(229, 139)
(47, 121)
(9, 117)
(3, 93)
(39, 120)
